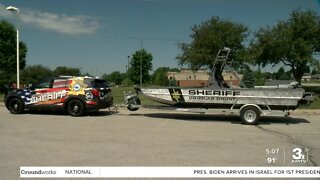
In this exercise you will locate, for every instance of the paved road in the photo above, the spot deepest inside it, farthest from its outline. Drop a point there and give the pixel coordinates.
(151, 138)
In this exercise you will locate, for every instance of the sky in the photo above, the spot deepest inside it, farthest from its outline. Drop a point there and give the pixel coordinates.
(97, 36)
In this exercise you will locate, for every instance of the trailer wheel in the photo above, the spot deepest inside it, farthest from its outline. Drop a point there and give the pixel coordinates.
(250, 115)
(133, 102)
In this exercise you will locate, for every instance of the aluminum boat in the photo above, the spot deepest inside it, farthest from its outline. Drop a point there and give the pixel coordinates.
(250, 102)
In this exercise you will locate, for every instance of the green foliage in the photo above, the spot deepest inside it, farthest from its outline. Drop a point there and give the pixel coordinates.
(66, 71)
(248, 77)
(127, 82)
(8, 53)
(118, 96)
(208, 38)
(115, 77)
(259, 78)
(316, 91)
(6, 79)
(281, 74)
(86, 74)
(284, 76)
(292, 42)
(134, 70)
(35, 73)
(314, 72)
(160, 77)
(315, 67)
(268, 75)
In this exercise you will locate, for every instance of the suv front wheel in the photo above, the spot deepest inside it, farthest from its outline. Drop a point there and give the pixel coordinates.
(75, 107)
(16, 106)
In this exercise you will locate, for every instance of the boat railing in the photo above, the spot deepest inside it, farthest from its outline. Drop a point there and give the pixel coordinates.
(220, 63)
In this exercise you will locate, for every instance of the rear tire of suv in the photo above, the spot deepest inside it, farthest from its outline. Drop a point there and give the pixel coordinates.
(16, 106)
(76, 107)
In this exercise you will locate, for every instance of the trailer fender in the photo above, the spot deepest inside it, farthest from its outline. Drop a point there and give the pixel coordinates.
(246, 105)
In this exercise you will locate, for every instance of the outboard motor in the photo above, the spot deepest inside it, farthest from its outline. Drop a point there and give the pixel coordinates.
(307, 99)
(132, 102)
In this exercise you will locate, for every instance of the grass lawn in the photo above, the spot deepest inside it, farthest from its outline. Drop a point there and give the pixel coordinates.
(118, 96)
(117, 93)
(314, 105)
(316, 91)
(1, 97)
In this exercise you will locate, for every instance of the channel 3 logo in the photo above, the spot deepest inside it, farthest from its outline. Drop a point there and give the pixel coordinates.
(299, 155)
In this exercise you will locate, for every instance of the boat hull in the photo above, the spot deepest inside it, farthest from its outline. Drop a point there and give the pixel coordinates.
(276, 99)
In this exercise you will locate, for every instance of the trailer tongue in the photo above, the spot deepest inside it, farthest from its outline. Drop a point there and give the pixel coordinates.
(250, 103)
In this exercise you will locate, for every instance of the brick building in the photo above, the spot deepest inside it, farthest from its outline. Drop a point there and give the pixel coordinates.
(189, 78)
(199, 78)
(231, 79)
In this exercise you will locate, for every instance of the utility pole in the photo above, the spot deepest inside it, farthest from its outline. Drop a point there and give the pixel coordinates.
(141, 65)
(11, 8)
(128, 70)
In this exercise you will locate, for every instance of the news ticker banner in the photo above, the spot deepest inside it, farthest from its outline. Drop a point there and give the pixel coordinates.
(170, 172)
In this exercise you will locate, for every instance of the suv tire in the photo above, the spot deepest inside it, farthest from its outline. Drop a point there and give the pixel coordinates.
(75, 107)
(15, 106)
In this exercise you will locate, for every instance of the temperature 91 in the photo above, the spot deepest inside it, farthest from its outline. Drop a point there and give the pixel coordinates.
(272, 160)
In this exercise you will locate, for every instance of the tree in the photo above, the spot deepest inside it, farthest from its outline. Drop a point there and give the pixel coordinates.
(259, 78)
(315, 68)
(292, 42)
(115, 77)
(248, 77)
(134, 70)
(87, 74)
(160, 77)
(279, 73)
(284, 76)
(34, 73)
(8, 52)
(66, 71)
(208, 38)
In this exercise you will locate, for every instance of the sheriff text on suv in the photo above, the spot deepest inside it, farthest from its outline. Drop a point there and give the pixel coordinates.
(76, 95)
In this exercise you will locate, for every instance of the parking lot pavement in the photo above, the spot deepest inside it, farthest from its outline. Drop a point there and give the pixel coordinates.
(152, 138)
